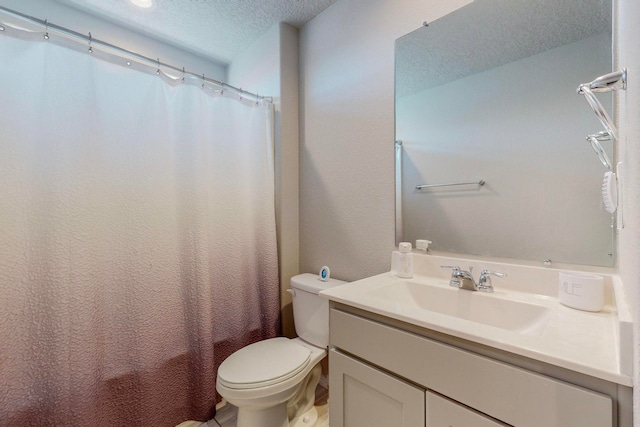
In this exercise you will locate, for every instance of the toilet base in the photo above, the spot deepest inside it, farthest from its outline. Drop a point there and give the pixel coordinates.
(308, 419)
(297, 411)
(300, 405)
(276, 416)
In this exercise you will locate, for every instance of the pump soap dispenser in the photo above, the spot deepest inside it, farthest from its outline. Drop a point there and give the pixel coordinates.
(405, 261)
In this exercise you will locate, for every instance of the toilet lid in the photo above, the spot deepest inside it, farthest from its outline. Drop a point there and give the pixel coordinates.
(263, 363)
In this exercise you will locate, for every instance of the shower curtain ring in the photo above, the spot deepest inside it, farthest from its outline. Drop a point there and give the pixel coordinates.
(182, 74)
(90, 39)
(158, 70)
(257, 98)
(203, 81)
(46, 29)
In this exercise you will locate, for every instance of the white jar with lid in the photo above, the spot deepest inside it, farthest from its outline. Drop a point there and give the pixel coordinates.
(583, 291)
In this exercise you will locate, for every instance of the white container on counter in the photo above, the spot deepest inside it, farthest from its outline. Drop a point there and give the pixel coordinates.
(583, 291)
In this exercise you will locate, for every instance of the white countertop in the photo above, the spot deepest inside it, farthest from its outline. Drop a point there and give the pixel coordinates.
(580, 341)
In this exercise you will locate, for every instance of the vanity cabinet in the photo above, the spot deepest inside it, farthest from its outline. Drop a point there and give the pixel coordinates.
(387, 373)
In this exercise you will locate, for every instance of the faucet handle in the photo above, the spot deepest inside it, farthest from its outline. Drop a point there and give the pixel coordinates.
(484, 283)
(492, 273)
(455, 275)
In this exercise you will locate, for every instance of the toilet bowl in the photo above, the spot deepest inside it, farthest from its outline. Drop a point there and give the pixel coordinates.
(273, 382)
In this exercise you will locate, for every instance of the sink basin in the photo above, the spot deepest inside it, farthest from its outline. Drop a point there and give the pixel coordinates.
(479, 307)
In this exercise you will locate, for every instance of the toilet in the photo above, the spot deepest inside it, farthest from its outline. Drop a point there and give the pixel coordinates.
(273, 382)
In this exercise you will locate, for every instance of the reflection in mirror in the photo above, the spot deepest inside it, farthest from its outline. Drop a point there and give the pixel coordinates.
(488, 93)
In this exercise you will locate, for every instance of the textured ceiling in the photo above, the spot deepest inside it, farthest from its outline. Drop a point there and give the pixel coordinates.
(490, 33)
(215, 29)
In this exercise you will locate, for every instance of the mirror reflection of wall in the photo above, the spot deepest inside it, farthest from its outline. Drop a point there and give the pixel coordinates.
(489, 93)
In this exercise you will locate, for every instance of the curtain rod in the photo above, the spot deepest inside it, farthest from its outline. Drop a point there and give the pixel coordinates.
(140, 57)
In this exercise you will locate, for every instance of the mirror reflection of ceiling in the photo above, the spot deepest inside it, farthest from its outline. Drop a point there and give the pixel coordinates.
(434, 55)
(214, 29)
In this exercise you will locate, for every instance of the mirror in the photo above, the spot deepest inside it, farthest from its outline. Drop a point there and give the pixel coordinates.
(488, 93)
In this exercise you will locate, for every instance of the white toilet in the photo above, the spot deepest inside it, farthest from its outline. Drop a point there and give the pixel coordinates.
(273, 382)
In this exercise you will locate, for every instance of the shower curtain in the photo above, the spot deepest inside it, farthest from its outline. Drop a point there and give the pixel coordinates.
(137, 240)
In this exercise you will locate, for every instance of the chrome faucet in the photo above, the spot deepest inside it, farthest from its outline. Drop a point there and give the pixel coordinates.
(463, 279)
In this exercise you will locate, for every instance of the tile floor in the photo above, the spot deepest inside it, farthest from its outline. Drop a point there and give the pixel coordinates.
(226, 415)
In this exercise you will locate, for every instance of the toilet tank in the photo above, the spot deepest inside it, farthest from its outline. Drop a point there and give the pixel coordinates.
(310, 310)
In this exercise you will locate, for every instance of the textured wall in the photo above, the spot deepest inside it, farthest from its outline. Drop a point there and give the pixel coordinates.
(347, 132)
(270, 67)
(629, 243)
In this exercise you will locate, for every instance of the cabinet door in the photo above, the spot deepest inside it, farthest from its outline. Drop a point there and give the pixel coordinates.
(363, 396)
(442, 412)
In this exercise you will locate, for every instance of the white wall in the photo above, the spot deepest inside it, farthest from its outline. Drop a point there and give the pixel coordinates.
(629, 151)
(105, 31)
(270, 67)
(347, 132)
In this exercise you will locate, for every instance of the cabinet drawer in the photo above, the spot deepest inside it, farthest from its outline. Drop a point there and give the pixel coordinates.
(442, 412)
(510, 394)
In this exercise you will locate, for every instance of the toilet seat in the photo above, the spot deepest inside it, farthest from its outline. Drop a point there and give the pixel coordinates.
(263, 363)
